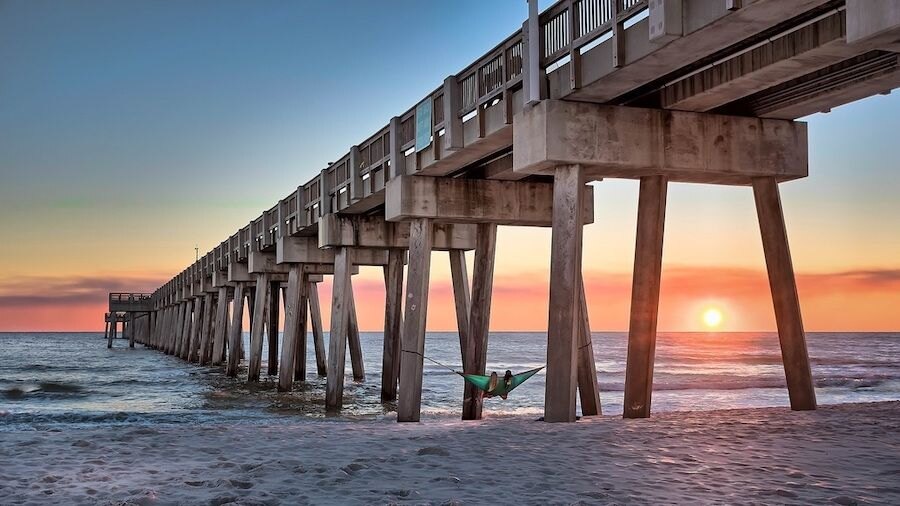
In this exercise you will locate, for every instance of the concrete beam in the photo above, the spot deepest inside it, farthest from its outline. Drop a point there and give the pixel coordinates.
(259, 262)
(454, 200)
(359, 231)
(628, 142)
(305, 250)
(874, 22)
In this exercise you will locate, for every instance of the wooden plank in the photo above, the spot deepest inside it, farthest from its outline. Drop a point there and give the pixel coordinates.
(356, 356)
(291, 321)
(274, 316)
(413, 337)
(479, 316)
(645, 297)
(234, 338)
(565, 275)
(337, 338)
(588, 388)
(393, 320)
(218, 352)
(257, 328)
(784, 294)
(315, 316)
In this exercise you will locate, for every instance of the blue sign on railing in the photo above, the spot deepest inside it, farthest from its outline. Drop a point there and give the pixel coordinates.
(423, 125)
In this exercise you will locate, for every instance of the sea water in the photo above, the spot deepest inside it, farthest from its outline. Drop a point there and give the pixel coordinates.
(52, 380)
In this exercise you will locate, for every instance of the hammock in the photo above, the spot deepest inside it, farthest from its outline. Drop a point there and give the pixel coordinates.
(483, 382)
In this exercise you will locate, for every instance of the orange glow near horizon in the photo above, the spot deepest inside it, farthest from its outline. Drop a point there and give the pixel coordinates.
(844, 301)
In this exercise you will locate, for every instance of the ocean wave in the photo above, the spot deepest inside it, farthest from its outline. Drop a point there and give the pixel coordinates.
(44, 388)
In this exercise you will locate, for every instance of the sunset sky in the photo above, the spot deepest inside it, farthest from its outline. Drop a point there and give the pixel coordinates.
(132, 131)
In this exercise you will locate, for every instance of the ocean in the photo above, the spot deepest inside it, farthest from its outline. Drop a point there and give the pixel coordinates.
(57, 380)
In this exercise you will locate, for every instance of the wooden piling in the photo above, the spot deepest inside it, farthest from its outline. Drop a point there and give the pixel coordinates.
(112, 330)
(479, 316)
(291, 321)
(413, 337)
(234, 338)
(565, 277)
(218, 352)
(783, 286)
(186, 329)
(257, 328)
(273, 323)
(588, 388)
(393, 319)
(130, 329)
(645, 297)
(461, 297)
(193, 354)
(356, 356)
(315, 318)
(337, 338)
(203, 354)
(301, 339)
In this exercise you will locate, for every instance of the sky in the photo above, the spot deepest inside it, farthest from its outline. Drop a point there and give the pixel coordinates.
(131, 132)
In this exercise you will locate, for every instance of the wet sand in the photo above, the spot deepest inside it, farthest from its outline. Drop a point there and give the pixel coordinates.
(846, 454)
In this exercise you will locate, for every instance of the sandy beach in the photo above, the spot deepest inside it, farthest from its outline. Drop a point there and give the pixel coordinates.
(845, 454)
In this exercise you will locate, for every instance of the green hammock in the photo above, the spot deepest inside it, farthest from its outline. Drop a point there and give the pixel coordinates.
(483, 383)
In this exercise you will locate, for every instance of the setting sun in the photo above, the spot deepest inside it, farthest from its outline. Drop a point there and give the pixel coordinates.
(712, 317)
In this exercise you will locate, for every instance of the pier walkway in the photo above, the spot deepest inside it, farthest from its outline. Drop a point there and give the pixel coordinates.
(697, 91)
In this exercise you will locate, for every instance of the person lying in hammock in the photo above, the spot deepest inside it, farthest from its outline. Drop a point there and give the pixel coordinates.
(492, 384)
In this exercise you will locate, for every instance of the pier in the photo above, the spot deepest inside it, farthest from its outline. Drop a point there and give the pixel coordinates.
(660, 91)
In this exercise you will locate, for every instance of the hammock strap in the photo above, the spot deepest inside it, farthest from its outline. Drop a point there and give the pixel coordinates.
(435, 361)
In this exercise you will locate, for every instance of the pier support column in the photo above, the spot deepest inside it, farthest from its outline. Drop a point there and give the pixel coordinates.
(274, 316)
(131, 330)
(112, 330)
(462, 299)
(784, 294)
(356, 356)
(315, 317)
(234, 338)
(196, 328)
(257, 328)
(479, 316)
(302, 337)
(218, 352)
(291, 323)
(340, 320)
(186, 330)
(413, 338)
(205, 330)
(648, 251)
(107, 331)
(588, 388)
(565, 291)
(177, 322)
(151, 329)
(393, 319)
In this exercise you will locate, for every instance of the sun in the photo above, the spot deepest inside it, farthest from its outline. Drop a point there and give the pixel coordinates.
(712, 317)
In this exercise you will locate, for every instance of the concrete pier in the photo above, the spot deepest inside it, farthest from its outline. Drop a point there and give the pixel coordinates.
(687, 91)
